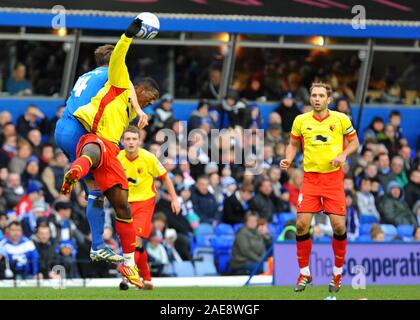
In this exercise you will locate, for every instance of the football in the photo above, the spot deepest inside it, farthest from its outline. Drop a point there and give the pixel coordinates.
(150, 26)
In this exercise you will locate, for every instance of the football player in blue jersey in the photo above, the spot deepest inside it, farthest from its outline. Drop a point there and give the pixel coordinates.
(67, 134)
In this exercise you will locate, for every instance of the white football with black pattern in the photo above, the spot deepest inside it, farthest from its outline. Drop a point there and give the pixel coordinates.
(150, 25)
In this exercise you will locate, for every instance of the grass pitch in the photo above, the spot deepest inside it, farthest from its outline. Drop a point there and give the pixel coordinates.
(212, 293)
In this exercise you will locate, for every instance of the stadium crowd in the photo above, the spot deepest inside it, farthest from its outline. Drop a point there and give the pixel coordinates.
(40, 228)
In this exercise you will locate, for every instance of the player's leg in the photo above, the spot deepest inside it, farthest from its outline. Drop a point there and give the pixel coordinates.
(334, 204)
(118, 198)
(339, 244)
(304, 248)
(142, 213)
(96, 217)
(89, 157)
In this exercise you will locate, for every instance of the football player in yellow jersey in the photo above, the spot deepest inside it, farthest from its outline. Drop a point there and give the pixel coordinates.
(327, 138)
(106, 117)
(141, 168)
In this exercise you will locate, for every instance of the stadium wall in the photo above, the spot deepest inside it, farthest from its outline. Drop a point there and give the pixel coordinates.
(183, 108)
(383, 263)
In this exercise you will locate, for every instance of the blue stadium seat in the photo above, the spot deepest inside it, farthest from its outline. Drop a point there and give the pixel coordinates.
(273, 229)
(389, 230)
(222, 248)
(224, 229)
(237, 226)
(205, 228)
(280, 219)
(364, 238)
(405, 230)
(364, 219)
(364, 229)
(183, 269)
(222, 263)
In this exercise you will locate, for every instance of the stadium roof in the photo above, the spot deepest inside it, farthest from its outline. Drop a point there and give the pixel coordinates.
(385, 18)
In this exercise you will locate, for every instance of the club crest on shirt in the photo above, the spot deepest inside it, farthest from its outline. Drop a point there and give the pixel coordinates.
(332, 127)
(139, 170)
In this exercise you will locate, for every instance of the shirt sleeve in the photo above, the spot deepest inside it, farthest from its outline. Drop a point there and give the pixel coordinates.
(118, 73)
(156, 168)
(348, 129)
(296, 133)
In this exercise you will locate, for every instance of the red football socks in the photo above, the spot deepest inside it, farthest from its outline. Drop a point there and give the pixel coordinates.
(82, 164)
(304, 248)
(125, 230)
(142, 263)
(339, 244)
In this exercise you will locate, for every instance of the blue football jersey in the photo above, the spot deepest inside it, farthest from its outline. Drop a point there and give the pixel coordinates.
(86, 87)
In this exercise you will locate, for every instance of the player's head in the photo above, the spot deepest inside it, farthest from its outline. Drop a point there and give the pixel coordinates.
(131, 139)
(320, 95)
(103, 54)
(147, 91)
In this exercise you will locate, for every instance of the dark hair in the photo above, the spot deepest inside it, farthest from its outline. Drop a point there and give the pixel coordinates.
(247, 187)
(103, 54)
(250, 214)
(160, 216)
(149, 84)
(14, 223)
(395, 113)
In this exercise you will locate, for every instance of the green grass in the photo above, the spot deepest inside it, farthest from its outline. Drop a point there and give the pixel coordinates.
(211, 293)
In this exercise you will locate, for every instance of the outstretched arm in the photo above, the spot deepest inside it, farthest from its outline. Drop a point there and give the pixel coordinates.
(118, 73)
(166, 180)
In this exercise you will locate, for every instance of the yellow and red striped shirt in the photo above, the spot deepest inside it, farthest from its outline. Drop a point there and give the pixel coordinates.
(109, 113)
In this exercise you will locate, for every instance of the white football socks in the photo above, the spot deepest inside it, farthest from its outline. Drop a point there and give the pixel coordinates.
(129, 259)
(337, 270)
(305, 271)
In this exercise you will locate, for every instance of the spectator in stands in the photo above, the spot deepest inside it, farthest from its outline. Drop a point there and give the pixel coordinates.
(216, 189)
(390, 142)
(265, 203)
(254, 90)
(397, 167)
(204, 202)
(33, 118)
(294, 185)
(13, 191)
(352, 217)
(187, 208)
(342, 104)
(17, 84)
(33, 194)
(405, 153)
(8, 151)
(375, 129)
(393, 208)
(47, 154)
(45, 247)
(35, 139)
(3, 201)
(210, 89)
(255, 118)
(385, 174)
(288, 111)
(163, 116)
(395, 121)
(63, 229)
(264, 230)
(32, 219)
(248, 248)
(53, 175)
(416, 234)
(274, 174)
(236, 109)
(31, 173)
(20, 252)
(199, 116)
(53, 122)
(273, 134)
(412, 189)
(376, 233)
(366, 200)
(236, 206)
(18, 163)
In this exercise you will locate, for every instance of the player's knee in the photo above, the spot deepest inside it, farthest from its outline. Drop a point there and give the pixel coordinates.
(339, 230)
(93, 151)
(123, 211)
(301, 227)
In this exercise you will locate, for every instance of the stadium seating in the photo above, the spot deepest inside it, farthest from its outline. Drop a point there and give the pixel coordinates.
(273, 229)
(280, 219)
(389, 230)
(237, 226)
(364, 238)
(405, 231)
(365, 219)
(222, 248)
(224, 229)
(364, 229)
